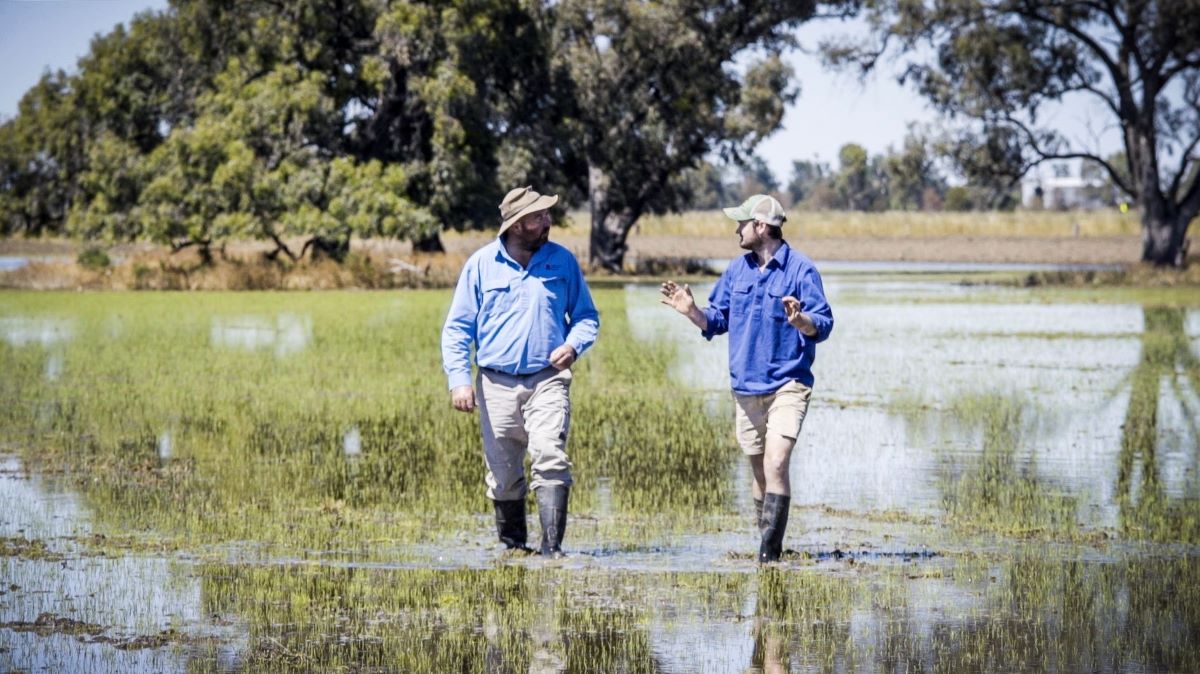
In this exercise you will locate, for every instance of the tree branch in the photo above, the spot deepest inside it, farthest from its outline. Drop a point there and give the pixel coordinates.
(1120, 79)
(1044, 155)
(1182, 66)
(1183, 165)
(1189, 206)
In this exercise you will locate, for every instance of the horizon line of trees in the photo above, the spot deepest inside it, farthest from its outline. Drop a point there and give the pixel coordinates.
(326, 119)
(915, 177)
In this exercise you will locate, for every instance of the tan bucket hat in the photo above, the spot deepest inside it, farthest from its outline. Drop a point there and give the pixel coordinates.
(521, 202)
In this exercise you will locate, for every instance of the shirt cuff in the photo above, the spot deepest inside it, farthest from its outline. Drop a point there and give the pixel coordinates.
(460, 379)
(709, 331)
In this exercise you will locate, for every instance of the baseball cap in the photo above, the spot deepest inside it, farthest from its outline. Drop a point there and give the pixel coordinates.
(761, 207)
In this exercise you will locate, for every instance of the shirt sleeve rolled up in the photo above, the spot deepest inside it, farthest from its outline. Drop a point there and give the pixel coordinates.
(815, 304)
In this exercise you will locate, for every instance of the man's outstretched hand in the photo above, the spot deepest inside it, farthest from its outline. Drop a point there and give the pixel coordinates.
(678, 297)
(463, 398)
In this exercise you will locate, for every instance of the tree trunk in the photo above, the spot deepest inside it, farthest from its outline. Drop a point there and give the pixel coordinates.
(610, 227)
(429, 244)
(333, 248)
(1163, 242)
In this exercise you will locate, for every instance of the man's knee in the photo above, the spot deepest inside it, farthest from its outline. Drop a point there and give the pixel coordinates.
(508, 488)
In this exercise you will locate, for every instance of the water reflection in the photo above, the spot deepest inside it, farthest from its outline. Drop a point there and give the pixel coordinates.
(1029, 613)
(47, 570)
(25, 330)
(900, 344)
(352, 443)
(54, 366)
(165, 445)
(287, 334)
(1153, 454)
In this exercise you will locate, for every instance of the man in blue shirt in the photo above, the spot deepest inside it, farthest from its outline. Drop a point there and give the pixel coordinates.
(772, 303)
(523, 304)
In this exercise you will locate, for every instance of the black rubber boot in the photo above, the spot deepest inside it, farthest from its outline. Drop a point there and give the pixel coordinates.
(758, 523)
(552, 511)
(510, 524)
(774, 524)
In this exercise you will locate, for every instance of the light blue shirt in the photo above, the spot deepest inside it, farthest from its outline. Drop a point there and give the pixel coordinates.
(515, 317)
(765, 351)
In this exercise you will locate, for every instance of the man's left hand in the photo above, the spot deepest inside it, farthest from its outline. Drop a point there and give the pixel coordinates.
(796, 317)
(562, 357)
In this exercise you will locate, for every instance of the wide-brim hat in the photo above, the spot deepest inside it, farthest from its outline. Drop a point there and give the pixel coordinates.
(521, 202)
(761, 207)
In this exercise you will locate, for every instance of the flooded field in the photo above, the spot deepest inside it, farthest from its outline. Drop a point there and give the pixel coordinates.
(990, 479)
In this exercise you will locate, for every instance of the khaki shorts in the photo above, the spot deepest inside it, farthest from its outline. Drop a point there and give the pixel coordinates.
(781, 412)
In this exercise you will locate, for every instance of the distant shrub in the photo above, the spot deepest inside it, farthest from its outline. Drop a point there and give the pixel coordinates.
(958, 199)
(93, 258)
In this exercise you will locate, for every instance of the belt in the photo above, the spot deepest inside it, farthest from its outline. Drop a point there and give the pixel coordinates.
(492, 370)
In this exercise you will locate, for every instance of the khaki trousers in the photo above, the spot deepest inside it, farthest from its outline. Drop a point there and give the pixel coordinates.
(519, 414)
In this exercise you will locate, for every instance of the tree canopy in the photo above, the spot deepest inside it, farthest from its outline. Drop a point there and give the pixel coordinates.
(325, 119)
(997, 63)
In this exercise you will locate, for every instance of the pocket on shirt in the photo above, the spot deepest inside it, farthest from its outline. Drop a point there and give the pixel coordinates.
(740, 297)
(775, 304)
(497, 296)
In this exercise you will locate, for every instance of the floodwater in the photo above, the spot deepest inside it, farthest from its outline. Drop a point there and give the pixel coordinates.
(967, 496)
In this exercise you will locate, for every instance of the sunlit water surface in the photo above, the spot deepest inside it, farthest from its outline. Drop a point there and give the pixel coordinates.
(881, 436)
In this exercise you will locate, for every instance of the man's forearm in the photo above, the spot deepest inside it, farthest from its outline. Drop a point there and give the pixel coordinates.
(697, 317)
(806, 325)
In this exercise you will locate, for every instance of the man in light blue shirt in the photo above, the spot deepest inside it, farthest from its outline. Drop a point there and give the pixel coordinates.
(524, 306)
(772, 303)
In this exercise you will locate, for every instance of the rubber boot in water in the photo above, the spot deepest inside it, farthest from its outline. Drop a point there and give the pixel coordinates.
(552, 510)
(510, 524)
(758, 523)
(774, 524)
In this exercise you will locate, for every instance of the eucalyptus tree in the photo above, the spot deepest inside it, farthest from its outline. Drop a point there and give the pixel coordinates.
(654, 89)
(998, 62)
(462, 91)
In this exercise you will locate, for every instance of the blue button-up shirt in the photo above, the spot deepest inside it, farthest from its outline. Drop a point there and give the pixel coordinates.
(515, 317)
(765, 351)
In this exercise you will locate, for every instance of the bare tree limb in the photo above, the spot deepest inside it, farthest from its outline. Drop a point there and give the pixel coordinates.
(1045, 155)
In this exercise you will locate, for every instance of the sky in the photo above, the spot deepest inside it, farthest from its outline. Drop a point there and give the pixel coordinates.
(833, 109)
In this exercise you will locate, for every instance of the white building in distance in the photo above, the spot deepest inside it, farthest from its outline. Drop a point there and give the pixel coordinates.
(1063, 184)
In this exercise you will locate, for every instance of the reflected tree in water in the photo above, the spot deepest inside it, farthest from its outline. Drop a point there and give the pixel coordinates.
(1167, 367)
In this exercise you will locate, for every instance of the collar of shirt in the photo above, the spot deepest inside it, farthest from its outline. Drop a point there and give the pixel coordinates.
(503, 256)
(778, 260)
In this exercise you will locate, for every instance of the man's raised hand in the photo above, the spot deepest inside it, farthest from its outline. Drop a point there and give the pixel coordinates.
(794, 310)
(678, 297)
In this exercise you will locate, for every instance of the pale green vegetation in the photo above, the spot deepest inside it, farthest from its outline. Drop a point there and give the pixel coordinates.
(258, 409)
(296, 455)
